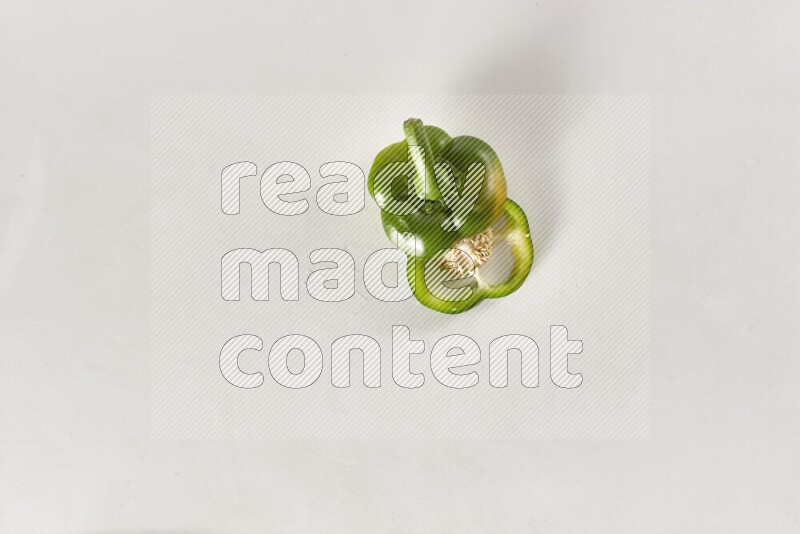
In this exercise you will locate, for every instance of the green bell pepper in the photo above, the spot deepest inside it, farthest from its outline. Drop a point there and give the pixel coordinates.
(440, 197)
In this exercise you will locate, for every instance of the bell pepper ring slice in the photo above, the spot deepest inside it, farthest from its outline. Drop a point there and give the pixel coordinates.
(441, 270)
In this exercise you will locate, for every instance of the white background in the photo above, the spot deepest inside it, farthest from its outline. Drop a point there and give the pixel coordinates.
(578, 166)
(75, 448)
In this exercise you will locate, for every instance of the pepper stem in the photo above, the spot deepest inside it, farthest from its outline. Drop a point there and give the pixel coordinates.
(425, 179)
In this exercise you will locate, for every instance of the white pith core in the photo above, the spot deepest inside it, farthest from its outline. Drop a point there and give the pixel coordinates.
(476, 248)
(475, 252)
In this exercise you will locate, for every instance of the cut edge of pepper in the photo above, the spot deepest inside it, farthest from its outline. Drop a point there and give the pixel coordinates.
(516, 233)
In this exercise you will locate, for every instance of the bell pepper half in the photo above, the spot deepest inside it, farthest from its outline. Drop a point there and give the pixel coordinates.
(443, 202)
